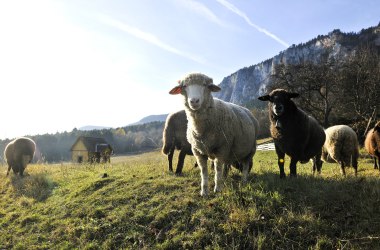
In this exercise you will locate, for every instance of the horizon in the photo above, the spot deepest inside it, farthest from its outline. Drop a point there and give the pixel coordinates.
(67, 65)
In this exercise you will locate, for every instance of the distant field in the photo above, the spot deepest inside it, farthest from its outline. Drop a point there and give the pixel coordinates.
(135, 203)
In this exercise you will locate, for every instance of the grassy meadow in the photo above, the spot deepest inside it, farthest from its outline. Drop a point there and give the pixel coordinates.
(135, 203)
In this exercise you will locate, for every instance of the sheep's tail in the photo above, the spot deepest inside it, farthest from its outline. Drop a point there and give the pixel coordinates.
(168, 137)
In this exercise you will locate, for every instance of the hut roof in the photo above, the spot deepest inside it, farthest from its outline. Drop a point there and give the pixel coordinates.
(92, 144)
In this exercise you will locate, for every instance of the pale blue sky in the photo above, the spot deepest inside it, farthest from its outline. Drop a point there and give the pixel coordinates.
(67, 64)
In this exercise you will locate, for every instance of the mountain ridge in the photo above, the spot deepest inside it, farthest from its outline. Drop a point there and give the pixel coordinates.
(144, 120)
(245, 85)
(150, 118)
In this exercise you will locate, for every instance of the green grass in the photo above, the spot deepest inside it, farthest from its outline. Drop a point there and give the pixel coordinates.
(140, 205)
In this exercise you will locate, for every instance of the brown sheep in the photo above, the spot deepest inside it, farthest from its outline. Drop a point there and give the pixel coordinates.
(18, 154)
(174, 137)
(372, 144)
(294, 132)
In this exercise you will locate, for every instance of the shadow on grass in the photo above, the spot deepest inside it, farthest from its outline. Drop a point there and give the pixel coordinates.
(310, 209)
(36, 186)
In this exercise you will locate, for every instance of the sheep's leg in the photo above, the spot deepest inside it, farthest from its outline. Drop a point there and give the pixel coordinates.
(218, 166)
(245, 171)
(202, 163)
(281, 161)
(9, 169)
(317, 163)
(22, 171)
(226, 170)
(170, 159)
(314, 164)
(17, 169)
(250, 165)
(342, 171)
(293, 167)
(181, 160)
(375, 166)
(355, 165)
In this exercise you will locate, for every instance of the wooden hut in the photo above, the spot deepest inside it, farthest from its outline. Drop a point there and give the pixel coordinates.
(91, 150)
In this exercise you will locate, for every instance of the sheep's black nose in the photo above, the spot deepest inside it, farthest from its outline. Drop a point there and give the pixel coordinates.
(194, 100)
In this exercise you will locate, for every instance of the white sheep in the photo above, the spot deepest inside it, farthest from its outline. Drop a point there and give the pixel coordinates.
(341, 146)
(224, 132)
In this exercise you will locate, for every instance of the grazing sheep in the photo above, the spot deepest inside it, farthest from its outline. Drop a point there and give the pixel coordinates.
(294, 132)
(174, 137)
(224, 132)
(342, 146)
(18, 154)
(372, 144)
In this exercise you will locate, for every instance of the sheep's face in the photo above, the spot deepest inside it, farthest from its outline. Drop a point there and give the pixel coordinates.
(278, 98)
(194, 88)
(195, 95)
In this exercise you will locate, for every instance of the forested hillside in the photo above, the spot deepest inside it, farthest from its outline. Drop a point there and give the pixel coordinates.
(124, 140)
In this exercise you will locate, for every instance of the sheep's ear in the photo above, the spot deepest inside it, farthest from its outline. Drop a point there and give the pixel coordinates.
(264, 98)
(293, 95)
(376, 128)
(214, 88)
(176, 90)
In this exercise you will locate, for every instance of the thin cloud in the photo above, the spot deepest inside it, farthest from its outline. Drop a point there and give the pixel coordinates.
(148, 37)
(232, 8)
(202, 10)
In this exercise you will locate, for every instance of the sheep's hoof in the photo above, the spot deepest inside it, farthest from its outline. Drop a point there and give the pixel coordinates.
(178, 174)
(204, 193)
(293, 175)
(282, 176)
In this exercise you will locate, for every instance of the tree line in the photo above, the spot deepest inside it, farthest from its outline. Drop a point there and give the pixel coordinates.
(124, 140)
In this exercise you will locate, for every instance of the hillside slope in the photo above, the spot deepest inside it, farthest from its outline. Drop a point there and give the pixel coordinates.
(134, 203)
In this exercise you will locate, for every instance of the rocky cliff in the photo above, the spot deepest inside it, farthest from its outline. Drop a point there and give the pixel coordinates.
(245, 85)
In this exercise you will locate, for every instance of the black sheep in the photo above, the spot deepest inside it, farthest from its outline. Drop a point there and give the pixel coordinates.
(174, 137)
(294, 132)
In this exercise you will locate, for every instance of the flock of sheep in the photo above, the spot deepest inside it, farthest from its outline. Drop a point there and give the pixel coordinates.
(225, 133)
